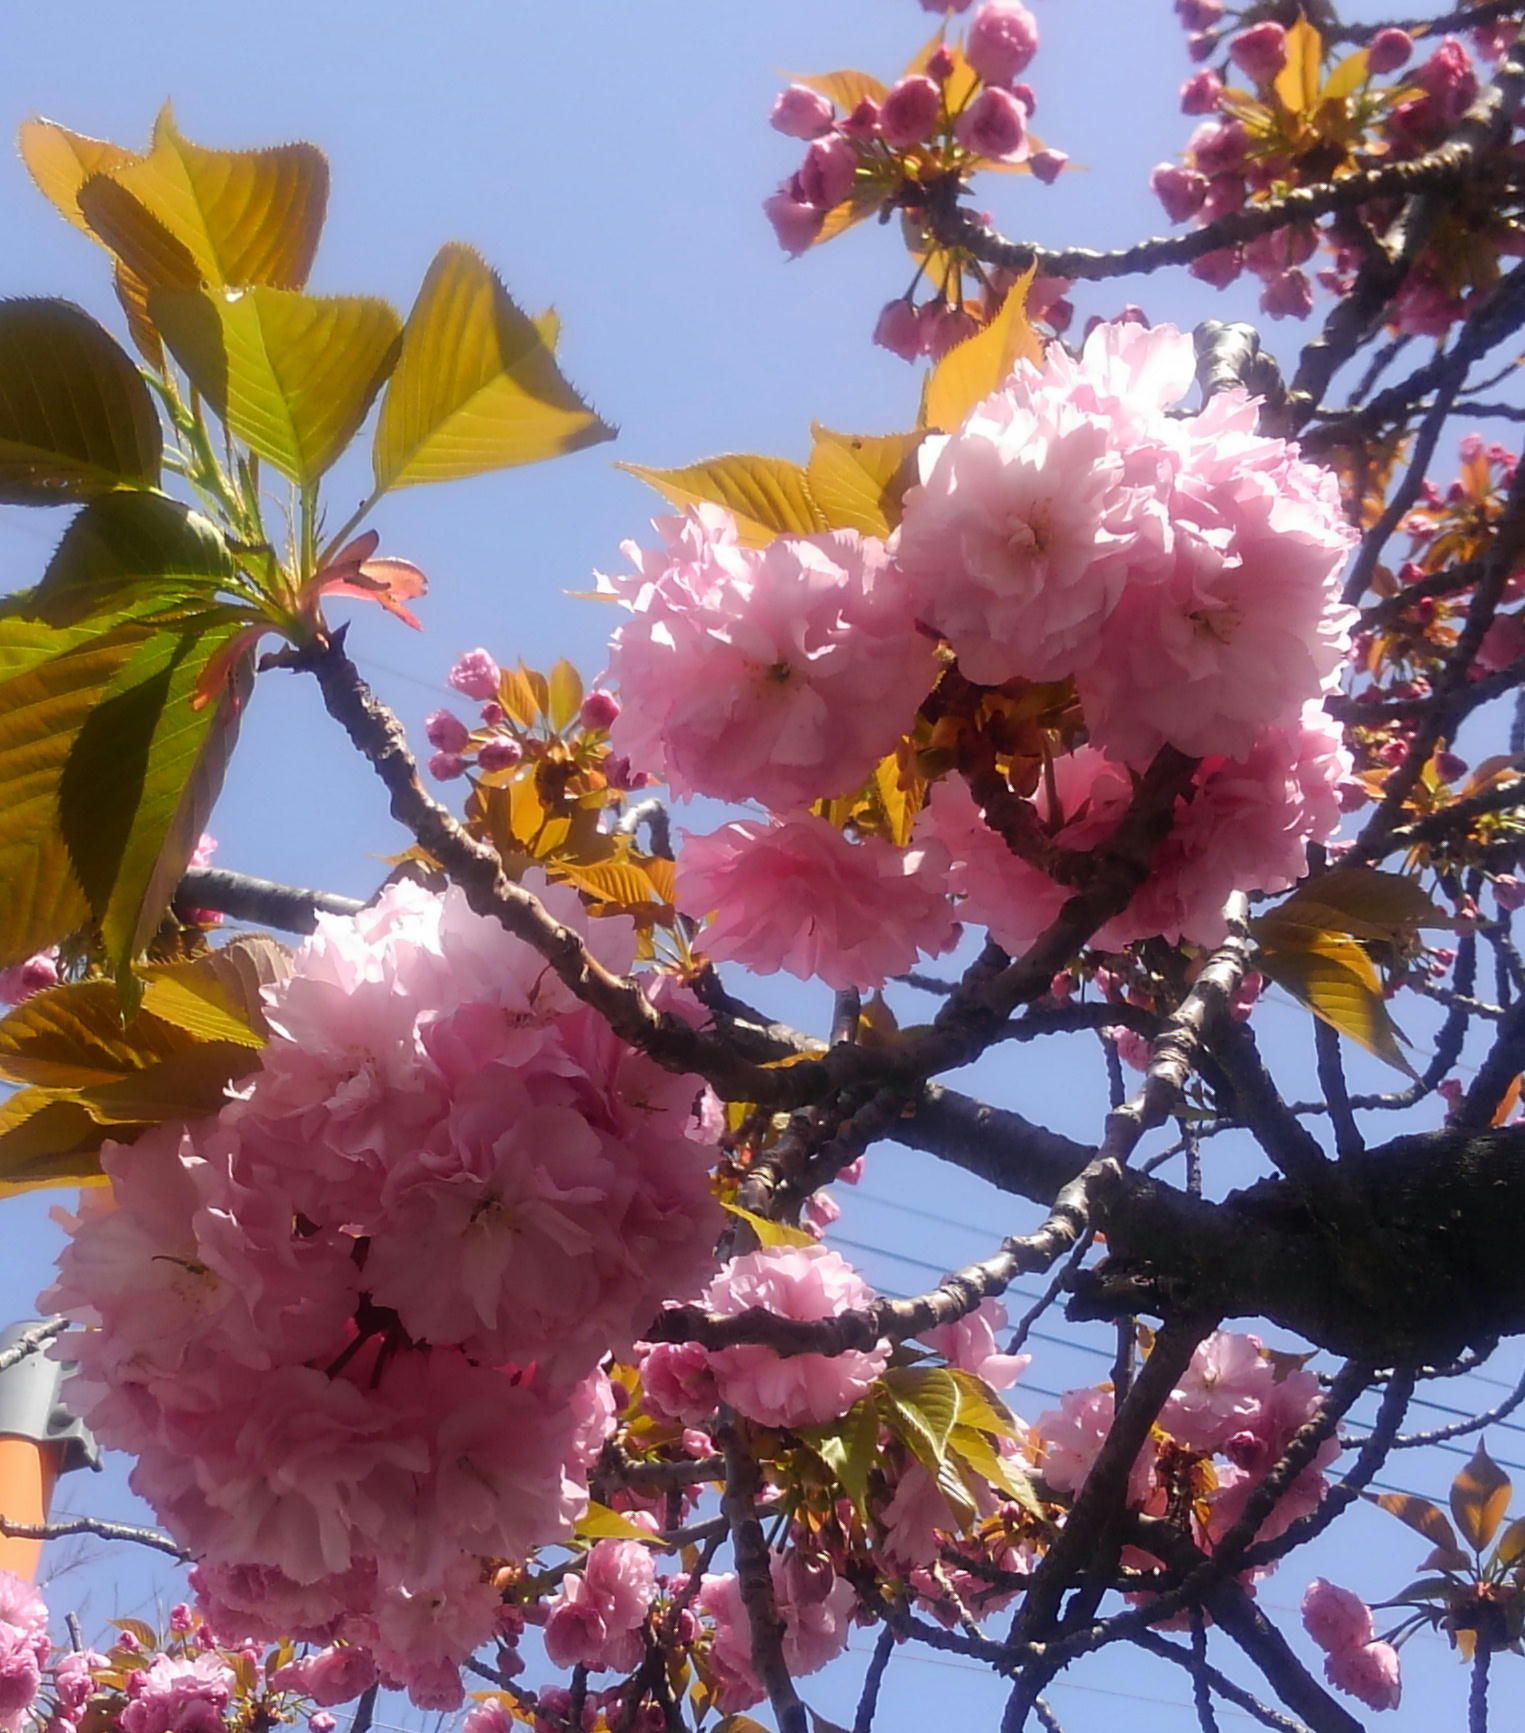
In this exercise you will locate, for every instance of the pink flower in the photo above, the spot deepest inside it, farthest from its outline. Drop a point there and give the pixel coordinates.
(20, 1676)
(800, 112)
(677, 1382)
(595, 1617)
(805, 1283)
(816, 1608)
(1388, 50)
(970, 1344)
(780, 674)
(489, 1717)
(1199, 14)
(828, 172)
(174, 1696)
(1072, 1436)
(994, 125)
(1180, 190)
(35, 975)
(796, 222)
(1218, 268)
(331, 1675)
(1335, 1618)
(502, 754)
(1200, 93)
(1370, 1673)
(1288, 295)
(447, 766)
(1002, 39)
(475, 674)
(910, 112)
(1260, 52)
(1220, 1394)
(446, 732)
(1048, 165)
(1503, 645)
(898, 329)
(1218, 147)
(600, 709)
(799, 896)
(944, 327)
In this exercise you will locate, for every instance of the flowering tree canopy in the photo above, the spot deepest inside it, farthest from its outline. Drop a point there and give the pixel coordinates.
(458, 1272)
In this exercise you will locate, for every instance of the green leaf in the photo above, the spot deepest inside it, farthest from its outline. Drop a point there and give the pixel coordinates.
(980, 1407)
(1338, 982)
(141, 778)
(921, 1406)
(50, 681)
(76, 419)
(767, 496)
(289, 374)
(601, 1523)
(850, 1448)
(131, 555)
(976, 1452)
(770, 1234)
(184, 215)
(858, 481)
(1359, 901)
(220, 997)
(476, 387)
(981, 364)
(1511, 1547)
(1479, 1499)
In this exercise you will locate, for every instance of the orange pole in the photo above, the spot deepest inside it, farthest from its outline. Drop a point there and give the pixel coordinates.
(27, 1474)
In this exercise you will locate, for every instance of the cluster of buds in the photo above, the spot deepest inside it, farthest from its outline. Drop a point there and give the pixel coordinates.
(1274, 118)
(872, 148)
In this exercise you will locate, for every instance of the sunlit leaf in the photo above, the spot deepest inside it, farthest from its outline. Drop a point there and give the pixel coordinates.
(219, 996)
(1338, 982)
(850, 1448)
(981, 364)
(921, 1404)
(619, 881)
(1347, 77)
(184, 214)
(979, 1406)
(1359, 901)
(975, 1449)
(291, 375)
(564, 688)
(770, 1234)
(1479, 1499)
(61, 162)
(129, 555)
(1296, 86)
(476, 387)
(76, 419)
(1424, 1518)
(846, 87)
(857, 481)
(601, 1523)
(767, 496)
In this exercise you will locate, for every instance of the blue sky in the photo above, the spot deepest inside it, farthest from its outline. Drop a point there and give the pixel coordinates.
(610, 158)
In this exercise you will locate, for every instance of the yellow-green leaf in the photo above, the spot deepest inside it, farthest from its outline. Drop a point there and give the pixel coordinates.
(1338, 982)
(76, 419)
(979, 1406)
(1359, 901)
(1426, 1519)
(1297, 84)
(619, 881)
(770, 1234)
(981, 364)
(857, 481)
(564, 688)
(46, 1140)
(921, 1405)
(130, 555)
(291, 375)
(1347, 77)
(850, 1448)
(976, 1451)
(61, 162)
(767, 496)
(183, 214)
(476, 387)
(601, 1523)
(1480, 1498)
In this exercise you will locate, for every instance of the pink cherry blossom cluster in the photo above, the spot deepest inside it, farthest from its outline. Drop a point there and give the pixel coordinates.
(1233, 1407)
(351, 1325)
(1227, 166)
(493, 745)
(1181, 570)
(24, 1649)
(1354, 1661)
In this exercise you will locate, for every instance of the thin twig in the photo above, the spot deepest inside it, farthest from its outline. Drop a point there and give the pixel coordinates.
(68, 1527)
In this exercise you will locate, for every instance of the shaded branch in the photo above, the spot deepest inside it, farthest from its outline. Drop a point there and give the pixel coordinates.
(68, 1527)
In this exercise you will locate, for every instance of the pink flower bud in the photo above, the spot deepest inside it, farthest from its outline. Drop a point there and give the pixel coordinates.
(446, 766)
(1287, 296)
(1371, 1674)
(181, 1619)
(1002, 40)
(492, 714)
(1202, 47)
(1200, 93)
(1024, 94)
(1199, 14)
(321, 1722)
(940, 63)
(795, 223)
(898, 329)
(863, 122)
(828, 172)
(1450, 766)
(1508, 892)
(1260, 52)
(1218, 147)
(945, 327)
(500, 755)
(910, 112)
(800, 112)
(1389, 49)
(445, 732)
(994, 125)
(599, 709)
(1334, 1617)
(945, 6)
(476, 674)
(1048, 165)
(1180, 190)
